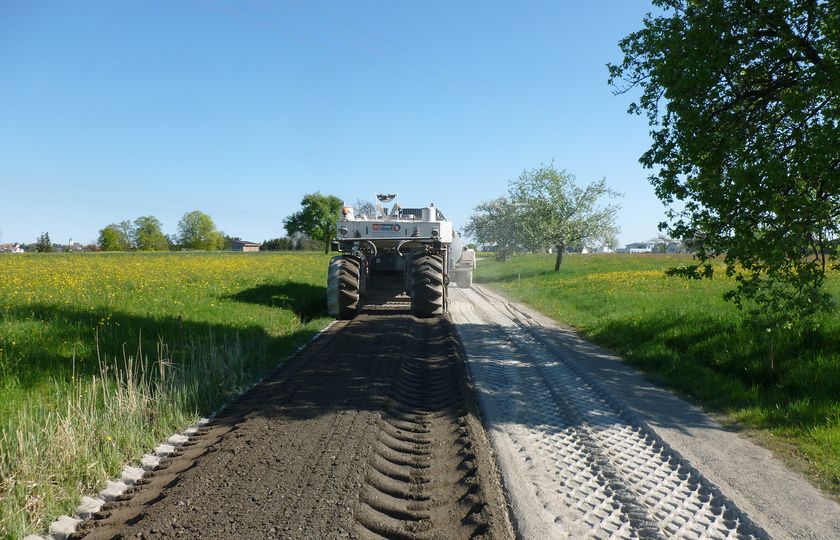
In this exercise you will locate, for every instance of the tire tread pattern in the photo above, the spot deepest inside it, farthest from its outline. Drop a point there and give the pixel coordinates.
(428, 288)
(349, 275)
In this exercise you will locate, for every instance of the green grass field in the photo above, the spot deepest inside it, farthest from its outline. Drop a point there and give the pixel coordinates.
(684, 334)
(104, 355)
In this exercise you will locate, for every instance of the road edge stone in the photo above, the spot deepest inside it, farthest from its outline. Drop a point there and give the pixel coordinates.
(65, 526)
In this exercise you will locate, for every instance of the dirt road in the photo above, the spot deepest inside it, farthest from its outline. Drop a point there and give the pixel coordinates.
(589, 448)
(370, 432)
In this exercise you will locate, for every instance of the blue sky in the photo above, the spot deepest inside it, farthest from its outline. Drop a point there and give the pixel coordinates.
(110, 110)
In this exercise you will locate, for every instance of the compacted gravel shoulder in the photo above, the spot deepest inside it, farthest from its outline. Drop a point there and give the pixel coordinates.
(369, 432)
(589, 448)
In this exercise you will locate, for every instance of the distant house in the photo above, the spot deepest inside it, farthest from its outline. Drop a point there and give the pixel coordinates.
(600, 249)
(672, 246)
(11, 248)
(637, 247)
(244, 245)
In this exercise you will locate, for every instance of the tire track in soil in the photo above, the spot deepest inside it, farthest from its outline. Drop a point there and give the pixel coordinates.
(311, 452)
(422, 481)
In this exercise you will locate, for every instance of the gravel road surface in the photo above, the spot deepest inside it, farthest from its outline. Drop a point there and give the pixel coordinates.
(589, 448)
(370, 432)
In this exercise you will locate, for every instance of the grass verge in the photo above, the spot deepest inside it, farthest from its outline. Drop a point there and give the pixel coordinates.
(685, 334)
(104, 355)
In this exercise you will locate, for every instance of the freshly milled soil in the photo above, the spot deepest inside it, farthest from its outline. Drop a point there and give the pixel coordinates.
(369, 432)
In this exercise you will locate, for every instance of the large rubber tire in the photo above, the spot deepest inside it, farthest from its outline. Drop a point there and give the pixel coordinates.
(363, 279)
(343, 286)
(463, 279)
(428, 289)
(407, 274)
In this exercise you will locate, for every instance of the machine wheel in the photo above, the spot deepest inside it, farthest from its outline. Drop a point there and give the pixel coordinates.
(408, 274)
(464, 279)
(343, 286)
(363, 279)
(428, 289)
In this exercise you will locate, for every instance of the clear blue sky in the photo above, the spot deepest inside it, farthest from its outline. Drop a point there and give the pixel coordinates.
(110, 110)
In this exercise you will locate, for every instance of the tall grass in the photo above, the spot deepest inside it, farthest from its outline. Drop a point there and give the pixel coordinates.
(101, 357)
(786, 384)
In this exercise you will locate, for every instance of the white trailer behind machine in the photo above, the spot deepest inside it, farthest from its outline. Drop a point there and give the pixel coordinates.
(416, 244)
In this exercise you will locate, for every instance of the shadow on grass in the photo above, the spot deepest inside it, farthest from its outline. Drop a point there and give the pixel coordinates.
(72, 342)
(306, 301)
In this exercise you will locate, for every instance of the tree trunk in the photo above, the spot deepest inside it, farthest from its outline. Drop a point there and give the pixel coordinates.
(559, 260)
(326, 247)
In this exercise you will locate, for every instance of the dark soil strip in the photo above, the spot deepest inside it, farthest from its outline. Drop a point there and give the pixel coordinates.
(423, 481)
(324, 448)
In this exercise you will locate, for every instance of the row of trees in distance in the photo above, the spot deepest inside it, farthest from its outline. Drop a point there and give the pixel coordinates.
(312, 227)
(296, 242)
(196, 230)
(43, 244)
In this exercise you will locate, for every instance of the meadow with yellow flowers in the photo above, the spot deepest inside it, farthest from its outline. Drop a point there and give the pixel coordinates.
(104, 355)
(782, 384)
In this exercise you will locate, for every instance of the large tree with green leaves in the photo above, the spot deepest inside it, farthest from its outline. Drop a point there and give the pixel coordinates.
(112, 238)
(317, 218)
(196, 230)
(744, 100)
(546, 208)
(126, 229)
(147, 234)
(493, 223)
(554, 211)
